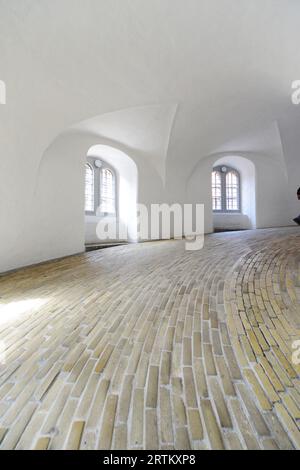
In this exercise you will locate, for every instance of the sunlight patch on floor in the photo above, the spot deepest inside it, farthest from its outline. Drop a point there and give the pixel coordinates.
(13, 310)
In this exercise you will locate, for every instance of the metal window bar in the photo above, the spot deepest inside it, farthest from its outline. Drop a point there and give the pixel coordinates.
(226, 190)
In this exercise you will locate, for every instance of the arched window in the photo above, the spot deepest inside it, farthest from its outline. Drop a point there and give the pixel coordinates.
(226, 189)
(100, 188)
(232, 190)
(217, 190)
(107, 192)
(89, 189)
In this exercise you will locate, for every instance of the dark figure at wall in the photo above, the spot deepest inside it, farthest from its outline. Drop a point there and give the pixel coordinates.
(297, 220)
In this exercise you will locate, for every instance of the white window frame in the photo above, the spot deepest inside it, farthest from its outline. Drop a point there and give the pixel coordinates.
(88, 164)
(224, 170)
(97, 187)
(102, 169)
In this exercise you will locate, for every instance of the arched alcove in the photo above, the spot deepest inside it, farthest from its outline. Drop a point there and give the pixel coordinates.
(245, 217)
(126, 192)
(61, 187)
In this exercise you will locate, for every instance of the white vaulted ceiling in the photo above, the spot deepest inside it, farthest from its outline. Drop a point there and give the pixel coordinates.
(144, 130)
(227, 64)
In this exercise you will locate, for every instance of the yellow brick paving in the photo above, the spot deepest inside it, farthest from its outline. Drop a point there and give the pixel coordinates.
(152, 347)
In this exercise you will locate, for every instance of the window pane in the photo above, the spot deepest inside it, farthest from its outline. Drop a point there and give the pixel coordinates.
(217, 190)
(89, 188)
(232, 191)
(107, 192)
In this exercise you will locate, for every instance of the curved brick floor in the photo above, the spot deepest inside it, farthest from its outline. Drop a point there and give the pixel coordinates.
(150, 346)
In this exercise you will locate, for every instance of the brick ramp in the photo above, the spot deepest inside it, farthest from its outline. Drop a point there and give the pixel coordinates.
(152, 347)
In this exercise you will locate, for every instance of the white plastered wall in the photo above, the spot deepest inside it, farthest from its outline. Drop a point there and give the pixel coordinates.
(165, 102)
